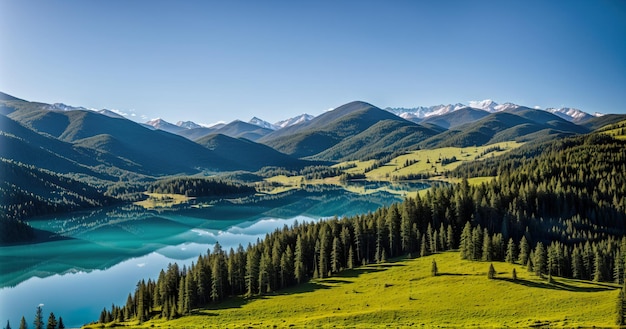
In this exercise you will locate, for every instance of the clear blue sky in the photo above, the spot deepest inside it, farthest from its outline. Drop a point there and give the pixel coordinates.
(211, 61)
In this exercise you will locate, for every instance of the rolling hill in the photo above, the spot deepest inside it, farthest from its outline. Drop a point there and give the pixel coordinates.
(246, 150)
(517, 124)
(382, 138)
(325, 131)
(456, 118)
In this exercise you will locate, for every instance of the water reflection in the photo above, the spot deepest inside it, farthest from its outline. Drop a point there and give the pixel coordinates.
(108, 250)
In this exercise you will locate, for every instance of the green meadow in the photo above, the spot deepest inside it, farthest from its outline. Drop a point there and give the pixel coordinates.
(403, 293)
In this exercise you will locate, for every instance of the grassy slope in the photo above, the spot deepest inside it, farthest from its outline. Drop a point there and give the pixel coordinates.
(405, 294)
(396, 166)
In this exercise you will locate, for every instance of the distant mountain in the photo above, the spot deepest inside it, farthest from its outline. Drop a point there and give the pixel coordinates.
(195, 133)
(123, 143)
(382, 138)
(110, 113)
(325, 131)
(247, 154)
(417, 113)
(504, 125)
(165, 126)
(262, 123)
(294, 121)
(570, 114)
(240, 129)
(456, 118)
(597, 122)
(188, 124)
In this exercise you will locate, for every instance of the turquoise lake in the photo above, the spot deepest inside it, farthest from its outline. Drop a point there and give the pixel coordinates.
(100, 255)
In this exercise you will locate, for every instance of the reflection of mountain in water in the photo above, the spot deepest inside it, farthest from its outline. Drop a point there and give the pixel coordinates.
(108, 236)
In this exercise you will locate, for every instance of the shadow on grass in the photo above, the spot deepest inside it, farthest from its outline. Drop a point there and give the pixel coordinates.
(556, 285)
(240, 301)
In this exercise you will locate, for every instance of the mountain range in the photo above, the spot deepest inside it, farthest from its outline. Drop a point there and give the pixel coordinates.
(69, 146)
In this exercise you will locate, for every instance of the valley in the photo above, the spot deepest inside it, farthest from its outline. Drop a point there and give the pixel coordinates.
(92, 197)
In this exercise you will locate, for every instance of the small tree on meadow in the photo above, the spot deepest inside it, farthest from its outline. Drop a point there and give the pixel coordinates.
(514, 275)
(434, 271)
(492, 272)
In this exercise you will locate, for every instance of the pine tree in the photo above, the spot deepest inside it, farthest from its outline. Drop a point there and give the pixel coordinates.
(510, 252)
(514, 275)
(38, 322)
(252, 271)
(540, 260)
(23, 324)
(299, 271)
(487, 250)
(335, 256)
(466, 242)
(433, 269)
(264, 273)
(61, 325)
(524, 249)
(8, 325)
(492, 272)
(52, 322)
(350, 258)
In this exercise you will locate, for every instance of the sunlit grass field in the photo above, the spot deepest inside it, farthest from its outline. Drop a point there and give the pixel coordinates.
(405, 294)
(427, 162)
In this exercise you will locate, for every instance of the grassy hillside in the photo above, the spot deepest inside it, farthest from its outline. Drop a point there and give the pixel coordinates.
(384, 137)
(404, 293)
(328, 129)
(429, 162)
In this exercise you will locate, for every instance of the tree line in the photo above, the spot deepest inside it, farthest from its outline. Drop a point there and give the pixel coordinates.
(199, 187)
(560, 212)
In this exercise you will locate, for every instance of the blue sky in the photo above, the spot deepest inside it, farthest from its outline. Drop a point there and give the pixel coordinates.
(211, 61)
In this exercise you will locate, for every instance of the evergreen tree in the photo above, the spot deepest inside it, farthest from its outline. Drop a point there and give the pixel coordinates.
(38, 322)
(514, 275)
(540, 260)
(335, 257)
(466, 242)
(252, 271)
(433, 269)
(423, 247)
(350, 258)
(524, 249)
(286, 267)
(487, 247)
(52, 322)
(264, 273)
(61, 325)
(23, 324)
(8, 325)
(299, 270)
(510, 252)
(492, 272)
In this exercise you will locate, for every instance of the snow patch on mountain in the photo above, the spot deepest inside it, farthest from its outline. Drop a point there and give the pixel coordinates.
(570, 114)
(188, 124)
(294, 121)
(262, 123)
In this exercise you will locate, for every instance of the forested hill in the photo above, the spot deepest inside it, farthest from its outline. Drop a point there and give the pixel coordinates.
(559, 209)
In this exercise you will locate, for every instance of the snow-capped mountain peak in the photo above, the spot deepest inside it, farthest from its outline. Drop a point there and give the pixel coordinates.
(262, 123)
(188, 124)
(570, 114)
(294, 121)
(487, 105)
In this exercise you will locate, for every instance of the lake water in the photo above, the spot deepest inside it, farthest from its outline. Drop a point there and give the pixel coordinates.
(105, 252)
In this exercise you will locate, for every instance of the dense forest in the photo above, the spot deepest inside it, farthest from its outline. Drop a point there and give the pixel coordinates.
(48, 193)
(199, 187)
(558, 208)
